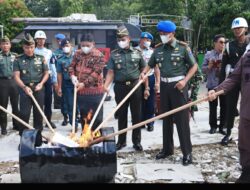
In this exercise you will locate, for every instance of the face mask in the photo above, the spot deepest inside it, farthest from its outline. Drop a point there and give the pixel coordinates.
(165, 39)
(147, 44)
(66, 49)
(123, 44)
(86, 50)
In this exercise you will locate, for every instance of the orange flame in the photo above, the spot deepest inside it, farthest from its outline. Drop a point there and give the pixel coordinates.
(87, 135)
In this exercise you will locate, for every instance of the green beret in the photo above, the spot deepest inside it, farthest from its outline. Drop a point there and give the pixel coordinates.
(122, 31)
(28, 40)
(5, 39)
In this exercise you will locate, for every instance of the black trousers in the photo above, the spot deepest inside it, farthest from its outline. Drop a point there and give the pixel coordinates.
(231, 108)
(8, 90)
(121, 90)
(172, 98)
(48, 99)
(213, 112)
(26, 103)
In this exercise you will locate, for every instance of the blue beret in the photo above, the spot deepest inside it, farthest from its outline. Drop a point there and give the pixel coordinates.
(147, 35)
(60, 36)
(166, 26)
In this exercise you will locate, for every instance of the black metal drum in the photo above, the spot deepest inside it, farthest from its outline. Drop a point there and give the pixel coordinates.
(96, 164)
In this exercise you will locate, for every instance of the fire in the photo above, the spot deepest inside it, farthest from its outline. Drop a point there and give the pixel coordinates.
(87, 134)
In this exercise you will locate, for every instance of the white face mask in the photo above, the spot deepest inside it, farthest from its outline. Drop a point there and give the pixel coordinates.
(165, 38)
(86, 50)
(147, 44)
(66, 49)
(123, 44)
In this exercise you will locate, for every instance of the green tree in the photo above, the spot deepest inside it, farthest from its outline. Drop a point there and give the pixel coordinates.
(44, 8)
(71, 6)
(10, 9)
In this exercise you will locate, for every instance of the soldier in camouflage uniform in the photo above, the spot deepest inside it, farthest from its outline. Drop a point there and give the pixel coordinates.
(172, 58)
(8, 85)
(193, 87)
(124, 67)
(31, 73)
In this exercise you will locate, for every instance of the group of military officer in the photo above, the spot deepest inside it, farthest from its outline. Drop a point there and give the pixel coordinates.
(173, 63)
(177, 66)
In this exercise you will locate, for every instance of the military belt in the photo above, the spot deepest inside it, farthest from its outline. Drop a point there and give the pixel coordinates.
(32, 84)
(173, 79)
(127, 83)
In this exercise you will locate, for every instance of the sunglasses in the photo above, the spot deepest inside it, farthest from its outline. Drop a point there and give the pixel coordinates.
(222, 42)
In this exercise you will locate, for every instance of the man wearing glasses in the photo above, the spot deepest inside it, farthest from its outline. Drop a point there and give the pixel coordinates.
(233, 52)
(211, 68)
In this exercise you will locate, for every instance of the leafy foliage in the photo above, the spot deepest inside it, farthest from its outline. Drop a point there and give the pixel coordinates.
(208, 17)
(10, 9)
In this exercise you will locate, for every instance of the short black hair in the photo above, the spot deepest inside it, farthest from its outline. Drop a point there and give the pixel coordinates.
(87, 38)
(218, 36)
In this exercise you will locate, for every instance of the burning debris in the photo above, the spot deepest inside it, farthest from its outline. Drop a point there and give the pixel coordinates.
(87, 135)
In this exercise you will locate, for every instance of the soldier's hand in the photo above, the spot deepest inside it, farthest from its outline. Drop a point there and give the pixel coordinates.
(157, 88)
(56, 87)
(28, 91)
(143, 76)
(212, 95)
(180, 85)
(38, 87)
(106, 89)
(146, 94)
(59, 92)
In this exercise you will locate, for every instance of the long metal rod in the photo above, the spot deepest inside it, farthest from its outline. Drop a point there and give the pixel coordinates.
(98, 109)
(120, 104)
(153, 119)
(41, 112)
(16, 118)
(74, 111)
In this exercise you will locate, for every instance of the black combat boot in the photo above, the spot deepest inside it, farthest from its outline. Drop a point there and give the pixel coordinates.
(227, 138)
(51, 123)
(3, 131)
(65, 120)
(221, 131)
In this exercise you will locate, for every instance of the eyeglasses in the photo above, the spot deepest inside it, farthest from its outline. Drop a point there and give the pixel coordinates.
(221, 42)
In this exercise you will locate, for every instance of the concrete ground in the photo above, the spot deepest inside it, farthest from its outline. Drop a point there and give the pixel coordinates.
(144, 168)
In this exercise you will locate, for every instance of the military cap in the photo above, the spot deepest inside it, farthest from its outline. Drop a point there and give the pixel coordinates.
(5, 39)
(166, 26)
(87, 38)
(122, 31)
(28, 40)
(147, 35)
(60, 36)
(65, 42)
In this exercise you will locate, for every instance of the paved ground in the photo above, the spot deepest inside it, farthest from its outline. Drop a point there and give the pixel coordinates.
(134, 167)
